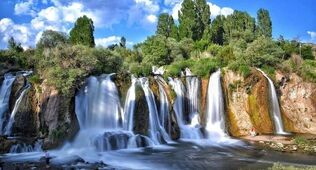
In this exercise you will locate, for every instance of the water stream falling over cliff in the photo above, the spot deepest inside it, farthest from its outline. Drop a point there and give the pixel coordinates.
(274, 107)
(188, 129)
(157, 133)
(164, 114)
(8, 127)
(5, 93)
(100, 116)
(215, 125)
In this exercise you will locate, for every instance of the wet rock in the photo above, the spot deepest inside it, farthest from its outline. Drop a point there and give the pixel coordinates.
(141, 115)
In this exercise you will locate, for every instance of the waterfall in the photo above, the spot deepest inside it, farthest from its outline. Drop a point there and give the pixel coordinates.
(129, 107)
(215, 125)
(193, 87)
(9, 125)
(156, 131)
(98, 104)
(275, 107)
(100, 116)
(23, 147)
(164, 114)
(187, 131)
(5, 93)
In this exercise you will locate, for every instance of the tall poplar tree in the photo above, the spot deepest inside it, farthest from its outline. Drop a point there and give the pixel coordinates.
(204, 21)
(82, 33)
(264, 25)
(187, 19)
(166, 26)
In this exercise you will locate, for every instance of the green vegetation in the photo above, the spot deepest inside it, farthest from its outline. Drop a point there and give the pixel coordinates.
(82, 33)
(238, 42)
(279, 166)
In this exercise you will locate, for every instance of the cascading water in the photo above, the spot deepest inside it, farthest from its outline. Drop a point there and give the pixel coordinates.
(215, 125)
(23, 147)
(187, 131)
(129, 107)
(156, 132)
(192, 83)
(8, 127)
(99, 112)
(5, 93)
(275, 107)
(164, 114)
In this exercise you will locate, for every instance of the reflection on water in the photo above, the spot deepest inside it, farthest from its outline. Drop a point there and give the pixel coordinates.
(183, 155)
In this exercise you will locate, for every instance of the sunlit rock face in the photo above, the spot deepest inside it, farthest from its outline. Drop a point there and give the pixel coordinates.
(298, 103)
(236, 100)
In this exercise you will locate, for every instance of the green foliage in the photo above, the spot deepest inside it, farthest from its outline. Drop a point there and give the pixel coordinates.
(299, 140)
(214, 49)
(65, 66)
(194, 19)
(166, 26)
(14, 46)
(239, 25)
(263, 51)
(82, 33)
(279, 166)
(137, 69)
(51, 39)
(217, 30)
(225, 55)
(107, 62)
(204, 66)
(307, 52)
(264, 27)
(308, 70)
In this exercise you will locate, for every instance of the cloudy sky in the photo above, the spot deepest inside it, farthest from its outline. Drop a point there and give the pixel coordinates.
(25, 20)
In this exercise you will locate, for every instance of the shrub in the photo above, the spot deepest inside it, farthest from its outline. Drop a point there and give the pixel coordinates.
(308, 70)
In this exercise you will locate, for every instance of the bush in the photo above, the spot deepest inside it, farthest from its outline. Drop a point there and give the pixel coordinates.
(175, 68)
(204, 66)
(308, 70)
(214, 49)
(140, 70)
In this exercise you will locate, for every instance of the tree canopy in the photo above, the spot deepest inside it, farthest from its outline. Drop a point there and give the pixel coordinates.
(82, 33)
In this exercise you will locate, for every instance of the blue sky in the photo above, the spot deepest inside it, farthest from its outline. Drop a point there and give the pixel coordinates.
(25, 20)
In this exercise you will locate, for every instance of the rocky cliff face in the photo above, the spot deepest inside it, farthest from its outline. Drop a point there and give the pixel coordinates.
(43, 113)
(246, 103)
(298, 102)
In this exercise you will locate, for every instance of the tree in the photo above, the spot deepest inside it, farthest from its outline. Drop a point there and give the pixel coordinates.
(82, 33)
(187, 19)
(166, 26)
(14, 46)
(264, 26)
(123, 42)
(51, 39)
(263, 51)
(307, 52)
(217, 30)
(204, 13)
(239, 25)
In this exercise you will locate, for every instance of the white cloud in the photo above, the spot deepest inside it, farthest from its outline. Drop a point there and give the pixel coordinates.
(60, 15)
(25, 8)
(105, 42)
(176, 8)
(20, 33)
(171, 2)
(312, 34)
(215, 9)
(152, 18)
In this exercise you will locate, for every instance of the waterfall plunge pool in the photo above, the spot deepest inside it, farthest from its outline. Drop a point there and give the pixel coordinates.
(180, 155)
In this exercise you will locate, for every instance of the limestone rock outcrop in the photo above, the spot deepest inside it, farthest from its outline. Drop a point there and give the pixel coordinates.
(298, 102)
